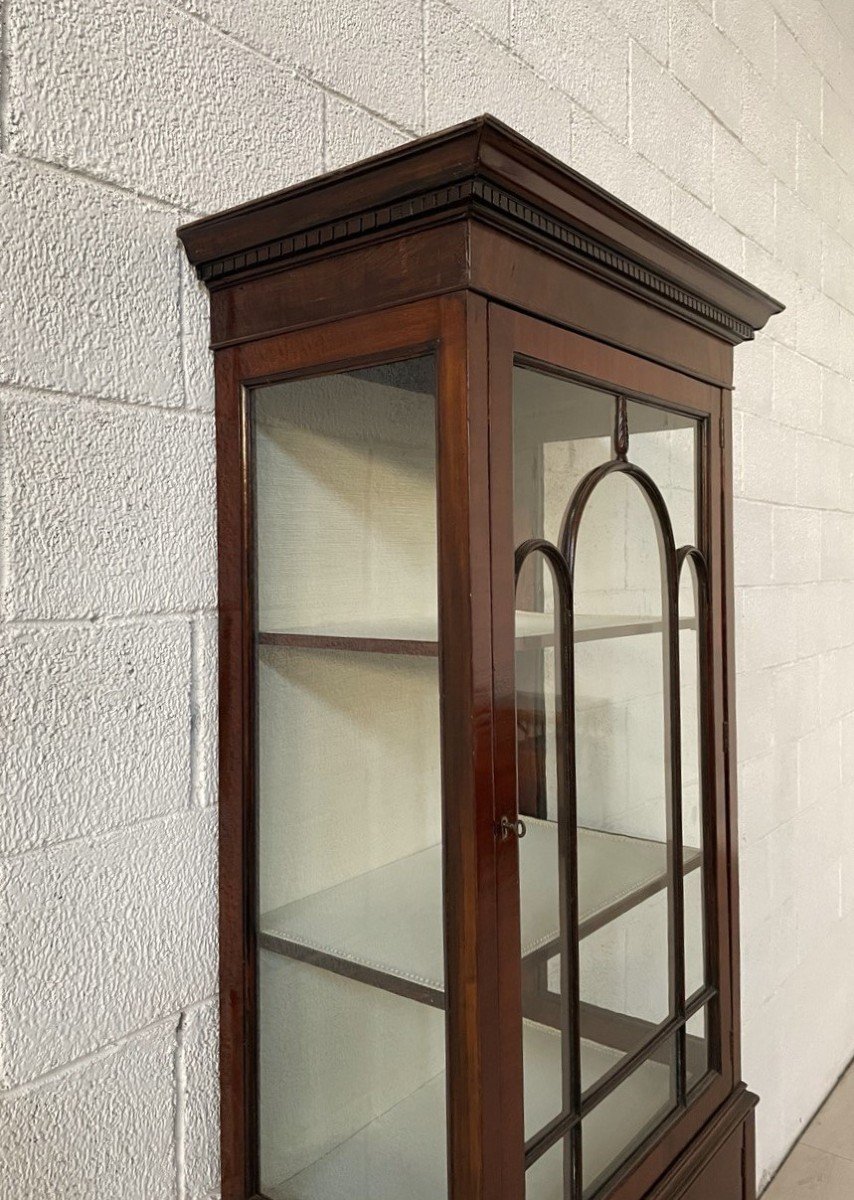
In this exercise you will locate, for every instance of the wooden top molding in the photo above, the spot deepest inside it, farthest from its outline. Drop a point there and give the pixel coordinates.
(481, 170)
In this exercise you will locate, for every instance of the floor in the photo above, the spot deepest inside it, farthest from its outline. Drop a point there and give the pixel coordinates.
(821, 1166)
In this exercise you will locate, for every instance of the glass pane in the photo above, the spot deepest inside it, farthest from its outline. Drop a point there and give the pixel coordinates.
(626, 986)
(351, 1061)
(538, 707)
(553, 425)
(669, 455)
(544, 1179)
(620, 1122)
(692, 823)
(622, 770)
(697, 1047)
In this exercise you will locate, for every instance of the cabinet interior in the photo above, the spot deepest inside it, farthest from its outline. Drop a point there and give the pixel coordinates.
(351, 965)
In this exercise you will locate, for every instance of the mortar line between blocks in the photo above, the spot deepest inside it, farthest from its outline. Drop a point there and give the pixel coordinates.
(156, 617)
(96, 836)
(330, 90)
(180, 1134)
(84, 1060)
(165, 207)
(285, 64)
(70, 399)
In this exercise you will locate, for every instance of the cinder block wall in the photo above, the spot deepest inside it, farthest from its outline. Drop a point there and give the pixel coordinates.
(729, 121)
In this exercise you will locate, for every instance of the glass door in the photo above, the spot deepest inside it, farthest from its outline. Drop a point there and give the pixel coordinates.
(615, 760)
(349, 927)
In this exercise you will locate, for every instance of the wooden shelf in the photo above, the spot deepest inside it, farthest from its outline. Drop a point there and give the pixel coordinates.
(385, 927)
(402, 1152)
(418, 636)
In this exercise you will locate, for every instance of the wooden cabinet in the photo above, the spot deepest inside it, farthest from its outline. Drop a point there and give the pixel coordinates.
(478, 878)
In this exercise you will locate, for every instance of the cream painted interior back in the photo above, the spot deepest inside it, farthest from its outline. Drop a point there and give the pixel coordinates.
(349, 767)
(620, 747)
(349, 743)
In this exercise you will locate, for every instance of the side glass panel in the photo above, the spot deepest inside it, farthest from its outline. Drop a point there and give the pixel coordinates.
(609, 770)
(349, 929)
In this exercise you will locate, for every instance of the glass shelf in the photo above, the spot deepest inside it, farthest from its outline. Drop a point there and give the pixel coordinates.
(402, 1152)
(418, 635)
(385, 927)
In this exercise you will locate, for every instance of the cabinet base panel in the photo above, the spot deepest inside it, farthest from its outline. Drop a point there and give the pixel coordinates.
(720, 1164)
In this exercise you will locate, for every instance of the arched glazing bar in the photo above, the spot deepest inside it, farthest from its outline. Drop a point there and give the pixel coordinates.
(699, 569)
(562, 559)
(568, 544)
(567, 821)
(670, 575)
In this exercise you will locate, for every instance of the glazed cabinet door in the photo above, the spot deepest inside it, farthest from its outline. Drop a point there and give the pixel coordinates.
(358, 832)
(609, 693)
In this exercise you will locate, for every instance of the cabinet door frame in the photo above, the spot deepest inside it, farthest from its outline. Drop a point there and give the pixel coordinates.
(454, 327)
(518, 338)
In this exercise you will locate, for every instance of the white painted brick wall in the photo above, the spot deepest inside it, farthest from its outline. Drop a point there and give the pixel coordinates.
(731, 122)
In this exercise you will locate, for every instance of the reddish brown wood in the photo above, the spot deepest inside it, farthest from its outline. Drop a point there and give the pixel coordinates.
(480, 167)
(548, 347)
(748, 1158)
(236, 785)
(541, 285)
(725, 909)
(428, 649)
(362, 279)
(471, 965)
(503, 598)
(719, 1161)
(311, 641)
(462, 244)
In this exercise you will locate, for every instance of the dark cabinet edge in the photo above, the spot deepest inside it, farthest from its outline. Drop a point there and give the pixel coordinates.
(480, 169)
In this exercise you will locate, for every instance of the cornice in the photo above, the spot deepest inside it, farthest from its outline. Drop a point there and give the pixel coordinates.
(480, 170)
(615, 262)
(336, 232)
(476, 195)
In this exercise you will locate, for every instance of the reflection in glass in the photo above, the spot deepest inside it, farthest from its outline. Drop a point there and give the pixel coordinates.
(351, 1065)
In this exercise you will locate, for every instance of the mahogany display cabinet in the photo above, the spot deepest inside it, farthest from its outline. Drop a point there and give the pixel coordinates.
(477, 767)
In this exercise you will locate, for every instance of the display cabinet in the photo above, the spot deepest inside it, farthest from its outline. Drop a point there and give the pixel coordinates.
(478, 842)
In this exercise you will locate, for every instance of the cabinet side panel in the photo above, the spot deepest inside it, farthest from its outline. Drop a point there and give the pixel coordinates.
(730, 748)
(236, 789)
(721, 1178)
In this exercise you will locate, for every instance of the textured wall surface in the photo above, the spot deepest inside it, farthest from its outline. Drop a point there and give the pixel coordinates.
(729, 121)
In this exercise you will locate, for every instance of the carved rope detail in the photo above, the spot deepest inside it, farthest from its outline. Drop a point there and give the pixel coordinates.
(486, 194)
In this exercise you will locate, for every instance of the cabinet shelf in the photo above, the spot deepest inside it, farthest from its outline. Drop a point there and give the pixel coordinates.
(385, 927)
(402, 1151)
(418, 636)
